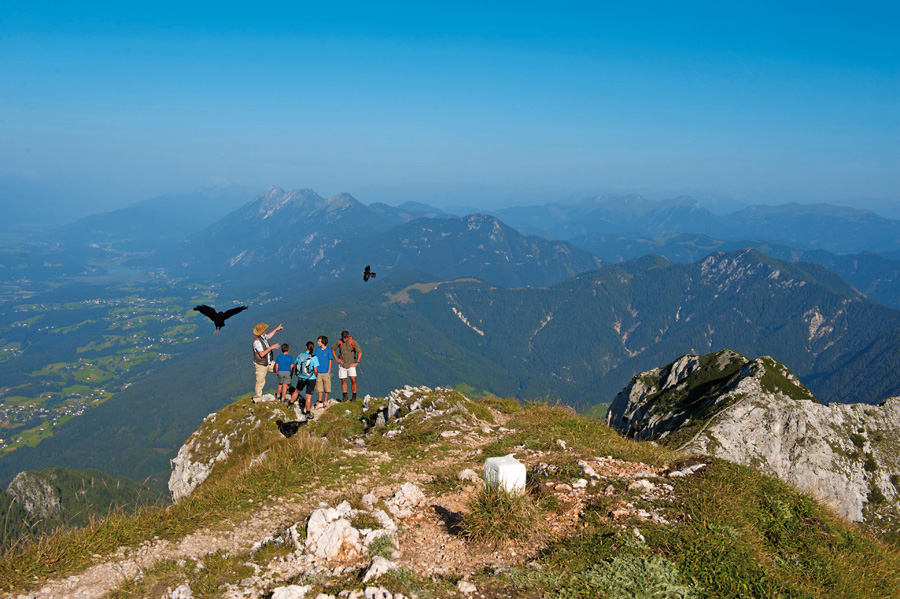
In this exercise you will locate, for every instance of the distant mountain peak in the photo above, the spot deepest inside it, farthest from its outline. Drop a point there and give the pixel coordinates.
(275, 198)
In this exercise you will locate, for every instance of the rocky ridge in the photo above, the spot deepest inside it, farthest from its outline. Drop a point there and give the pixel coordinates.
(756, 413)
(320, 538)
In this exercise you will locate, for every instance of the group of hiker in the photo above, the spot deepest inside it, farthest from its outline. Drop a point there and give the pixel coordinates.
(312, 368)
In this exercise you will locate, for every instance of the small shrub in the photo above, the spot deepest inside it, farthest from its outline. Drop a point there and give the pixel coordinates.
(870, 465)
(875, 495)
(858, 440)
(496, 516)
(631, 576)
(382, 546)
(365, 520)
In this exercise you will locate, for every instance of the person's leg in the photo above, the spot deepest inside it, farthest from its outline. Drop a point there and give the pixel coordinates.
(353, 386)
(320, 388)
(260, 381)
(342, 374)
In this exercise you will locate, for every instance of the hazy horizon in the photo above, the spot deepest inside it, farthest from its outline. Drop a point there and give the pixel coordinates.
(105, 105)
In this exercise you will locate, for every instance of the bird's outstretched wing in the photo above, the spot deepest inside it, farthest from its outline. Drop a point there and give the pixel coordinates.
(206, 311)
(229, 313)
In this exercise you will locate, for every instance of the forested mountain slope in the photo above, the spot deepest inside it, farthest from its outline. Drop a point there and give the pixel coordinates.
(579, 341)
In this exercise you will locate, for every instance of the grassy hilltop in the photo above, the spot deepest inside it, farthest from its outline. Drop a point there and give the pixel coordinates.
(724, 531)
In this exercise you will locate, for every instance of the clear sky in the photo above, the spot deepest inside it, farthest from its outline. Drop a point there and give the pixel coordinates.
(471, 103)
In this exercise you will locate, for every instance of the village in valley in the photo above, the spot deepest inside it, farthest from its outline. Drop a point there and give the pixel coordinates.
(49, 375)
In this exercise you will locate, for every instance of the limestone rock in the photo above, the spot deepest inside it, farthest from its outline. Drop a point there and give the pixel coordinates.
(378, 567)
(331, 536)
(34, 493)
(405, 500)
(587, 469)
(641, 486)
(756, 413)
(469, 475)
(377, 593)
(213, 442)
(466, 587)
(181, 592)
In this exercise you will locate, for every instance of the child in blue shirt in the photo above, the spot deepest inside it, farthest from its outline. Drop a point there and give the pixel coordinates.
(284, 370)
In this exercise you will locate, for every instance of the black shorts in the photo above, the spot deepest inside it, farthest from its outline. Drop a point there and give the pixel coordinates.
(309, 385)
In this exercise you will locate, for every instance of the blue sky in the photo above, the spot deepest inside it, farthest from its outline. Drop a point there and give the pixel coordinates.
(455, 103)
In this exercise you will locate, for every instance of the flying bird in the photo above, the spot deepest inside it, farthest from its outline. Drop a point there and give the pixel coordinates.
(218, 317)
(367, 273)
(289, 429)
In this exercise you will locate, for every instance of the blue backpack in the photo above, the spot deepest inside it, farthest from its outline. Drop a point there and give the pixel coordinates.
(304, 367)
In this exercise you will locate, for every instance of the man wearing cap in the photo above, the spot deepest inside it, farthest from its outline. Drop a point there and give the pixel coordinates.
(262, 360)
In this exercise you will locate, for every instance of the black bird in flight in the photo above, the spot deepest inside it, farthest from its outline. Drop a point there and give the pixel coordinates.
(367, 273)
(218, 317)
(289, 429)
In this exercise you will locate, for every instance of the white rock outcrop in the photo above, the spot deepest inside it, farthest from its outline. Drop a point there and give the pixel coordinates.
(35, 493)
(846, 456)
(213, 442)
(405, 500)
(330, 535)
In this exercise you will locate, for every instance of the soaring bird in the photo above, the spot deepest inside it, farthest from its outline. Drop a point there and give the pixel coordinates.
(218, 317)
(288, 429)
(367, 273)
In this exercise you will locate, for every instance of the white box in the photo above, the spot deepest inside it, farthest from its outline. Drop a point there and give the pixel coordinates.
(508, 472)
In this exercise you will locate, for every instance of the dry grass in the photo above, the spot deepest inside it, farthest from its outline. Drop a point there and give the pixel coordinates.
(495, 516)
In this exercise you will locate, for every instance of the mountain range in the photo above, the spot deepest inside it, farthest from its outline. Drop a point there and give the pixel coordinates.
(325, 239)
(473, 301)
(157, 222)
(805, 226)
(876, 275)
(580, 341)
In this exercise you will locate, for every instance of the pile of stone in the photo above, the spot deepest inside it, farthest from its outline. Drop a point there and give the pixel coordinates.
(432, 403)
(332, 546)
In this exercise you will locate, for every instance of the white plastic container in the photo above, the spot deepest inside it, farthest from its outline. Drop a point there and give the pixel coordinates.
(508, 472)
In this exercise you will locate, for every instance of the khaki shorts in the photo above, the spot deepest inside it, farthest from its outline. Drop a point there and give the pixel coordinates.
(323, 383)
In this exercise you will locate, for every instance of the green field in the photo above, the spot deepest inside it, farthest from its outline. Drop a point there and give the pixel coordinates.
(88, 351)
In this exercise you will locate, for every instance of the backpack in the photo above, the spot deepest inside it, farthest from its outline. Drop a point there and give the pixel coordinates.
(349, 341)
(304, 368)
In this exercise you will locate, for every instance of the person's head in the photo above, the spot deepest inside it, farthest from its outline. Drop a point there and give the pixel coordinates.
(323, 340)
(345, 334)
(310, 346)
(260, 329)
(285, 348)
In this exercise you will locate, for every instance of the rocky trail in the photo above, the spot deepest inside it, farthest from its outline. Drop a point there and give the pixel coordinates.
(411, 520)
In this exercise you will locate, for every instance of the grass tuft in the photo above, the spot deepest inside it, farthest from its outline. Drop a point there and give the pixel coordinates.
(496, 516)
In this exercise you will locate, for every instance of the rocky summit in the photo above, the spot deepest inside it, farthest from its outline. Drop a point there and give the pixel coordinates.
(387, 498)
(757, 413)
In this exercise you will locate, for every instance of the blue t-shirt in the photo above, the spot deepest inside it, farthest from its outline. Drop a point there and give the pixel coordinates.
(313, 364)
(284, 362)
(325, 357)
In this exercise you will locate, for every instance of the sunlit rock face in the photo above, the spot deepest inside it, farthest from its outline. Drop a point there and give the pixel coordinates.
(756, 413)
